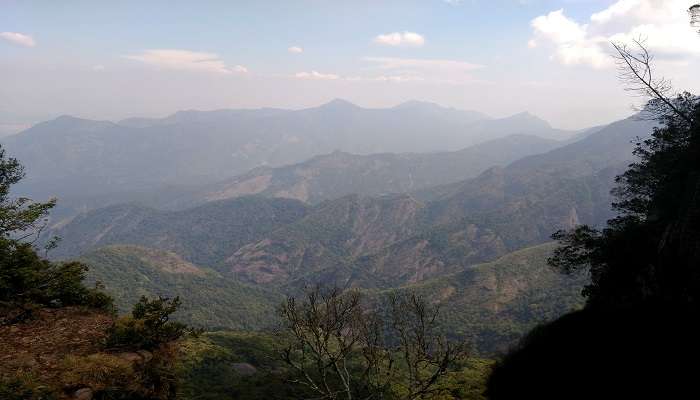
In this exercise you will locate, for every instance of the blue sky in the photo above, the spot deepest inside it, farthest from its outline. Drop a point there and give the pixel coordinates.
(110, 60)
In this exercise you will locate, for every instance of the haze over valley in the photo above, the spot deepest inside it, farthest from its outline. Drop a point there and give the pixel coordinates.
(416, 200)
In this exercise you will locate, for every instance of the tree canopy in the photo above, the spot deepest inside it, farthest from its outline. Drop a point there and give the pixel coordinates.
(27, 279)
(650, 251)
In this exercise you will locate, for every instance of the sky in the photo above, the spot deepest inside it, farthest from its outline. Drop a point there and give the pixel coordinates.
(117, 59)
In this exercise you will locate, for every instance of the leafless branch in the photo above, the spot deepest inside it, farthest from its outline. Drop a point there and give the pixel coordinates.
(342, 349)
(635, 67)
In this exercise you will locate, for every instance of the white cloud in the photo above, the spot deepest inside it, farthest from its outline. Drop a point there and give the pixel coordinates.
(559, 28)
(432, 70)
(98, 67)
(316, 75)
(295, 50)
(620, 8)
(18, 38)
(532, 43)
(186, 60)
(409, 39)
(663, 23)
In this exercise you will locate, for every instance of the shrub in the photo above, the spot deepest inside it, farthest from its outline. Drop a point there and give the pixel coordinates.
(27, 279)
(99, 372)
(149, 325)
(112, 377)
(23, 388)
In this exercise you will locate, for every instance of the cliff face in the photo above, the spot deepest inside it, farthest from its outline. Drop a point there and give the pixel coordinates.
(59, 354)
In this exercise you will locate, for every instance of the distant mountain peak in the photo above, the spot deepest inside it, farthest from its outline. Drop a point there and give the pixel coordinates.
(72, 122)
(66, 117)
(528, 116)
(525, 114)
(338, 104)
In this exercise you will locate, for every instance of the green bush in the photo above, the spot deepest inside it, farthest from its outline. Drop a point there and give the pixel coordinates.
(149, 325)
(28, 280)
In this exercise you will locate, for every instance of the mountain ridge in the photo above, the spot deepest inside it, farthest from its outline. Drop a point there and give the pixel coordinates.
(67, 156)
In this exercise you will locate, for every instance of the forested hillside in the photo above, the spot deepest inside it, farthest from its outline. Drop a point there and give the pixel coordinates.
(212, 300)
(338, 174)
(204, 235)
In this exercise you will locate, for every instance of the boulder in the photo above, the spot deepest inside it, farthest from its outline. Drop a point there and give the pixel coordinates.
(133, 357)
(83, 394)
(146, 355)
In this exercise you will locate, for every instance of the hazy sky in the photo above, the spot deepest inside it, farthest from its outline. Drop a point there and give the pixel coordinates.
(115, 59)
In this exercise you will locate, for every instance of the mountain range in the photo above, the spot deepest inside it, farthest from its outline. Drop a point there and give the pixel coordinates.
(379, 241)
(70, 156)
(466, 220)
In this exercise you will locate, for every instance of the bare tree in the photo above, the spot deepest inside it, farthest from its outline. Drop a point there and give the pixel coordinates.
(340, 348)
(324, 333)
(425, 353)
(635, 67)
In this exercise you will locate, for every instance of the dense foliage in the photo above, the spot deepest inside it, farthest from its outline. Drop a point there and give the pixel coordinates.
(27, 279)
(149, 325)
(650, 251)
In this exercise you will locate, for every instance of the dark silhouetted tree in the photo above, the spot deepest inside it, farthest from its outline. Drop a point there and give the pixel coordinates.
(639, 331)
(650, 251)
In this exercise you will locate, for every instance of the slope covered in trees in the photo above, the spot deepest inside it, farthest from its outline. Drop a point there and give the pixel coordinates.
(492, 304)
(338, 174)
(211, 300)
(204, 235)
(477, 220)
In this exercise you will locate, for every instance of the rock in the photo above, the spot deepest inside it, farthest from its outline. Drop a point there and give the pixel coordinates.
(145, 355)
(83, 394)
(244, 369)
(133, 357)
